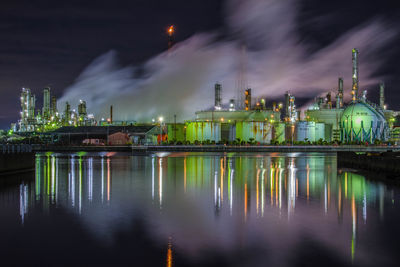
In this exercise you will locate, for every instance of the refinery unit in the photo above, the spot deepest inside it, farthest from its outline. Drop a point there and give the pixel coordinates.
(242, 121)
(359, 121)
(49, 118)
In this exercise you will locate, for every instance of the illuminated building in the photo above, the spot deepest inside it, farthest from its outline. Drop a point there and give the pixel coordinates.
(27, 121)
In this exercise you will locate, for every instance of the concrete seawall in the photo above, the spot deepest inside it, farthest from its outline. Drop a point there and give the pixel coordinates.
(218, 148)
(16, 158)
(385, 164)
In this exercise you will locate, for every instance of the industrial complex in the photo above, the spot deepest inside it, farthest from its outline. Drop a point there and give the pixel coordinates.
(329, 119)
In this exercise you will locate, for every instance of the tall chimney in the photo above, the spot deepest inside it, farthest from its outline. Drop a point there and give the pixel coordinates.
(354, 90)
(217, 105)
(382, 95)
(111, 114)
(340, 93)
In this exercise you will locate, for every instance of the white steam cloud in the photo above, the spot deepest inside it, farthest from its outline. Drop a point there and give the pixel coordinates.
(181, 81)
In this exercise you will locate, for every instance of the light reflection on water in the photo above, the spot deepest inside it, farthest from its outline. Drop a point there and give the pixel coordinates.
(226, 202)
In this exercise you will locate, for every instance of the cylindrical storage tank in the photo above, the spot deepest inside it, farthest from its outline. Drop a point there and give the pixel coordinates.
(305, 131)
(278, 133)
(290, 132)
(260, 132)
(191, 134)
(267, 133)
(209, 131)
(319, 131)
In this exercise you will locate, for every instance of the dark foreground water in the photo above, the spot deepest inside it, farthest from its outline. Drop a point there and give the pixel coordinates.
(197, 209)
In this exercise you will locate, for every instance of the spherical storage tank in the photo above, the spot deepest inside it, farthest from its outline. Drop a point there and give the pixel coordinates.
(362, 122)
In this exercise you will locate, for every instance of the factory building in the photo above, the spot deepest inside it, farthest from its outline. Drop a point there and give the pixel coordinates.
(253, 124)
(27, 121)
(326, 119)
(321, 111)
(244, 119)
(360, 120)
(48, 118)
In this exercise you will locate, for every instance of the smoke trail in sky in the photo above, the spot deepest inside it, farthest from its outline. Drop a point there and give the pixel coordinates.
(180, 81)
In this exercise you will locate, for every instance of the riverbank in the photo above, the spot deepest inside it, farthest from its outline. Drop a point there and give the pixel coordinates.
(218, 148)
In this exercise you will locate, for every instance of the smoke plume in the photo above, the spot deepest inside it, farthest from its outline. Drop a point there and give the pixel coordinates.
(180, 81)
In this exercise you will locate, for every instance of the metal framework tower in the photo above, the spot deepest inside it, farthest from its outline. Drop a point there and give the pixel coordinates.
(247, 101)
(291, 114)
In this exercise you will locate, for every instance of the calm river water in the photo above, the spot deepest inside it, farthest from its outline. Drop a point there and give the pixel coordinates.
(197, 209)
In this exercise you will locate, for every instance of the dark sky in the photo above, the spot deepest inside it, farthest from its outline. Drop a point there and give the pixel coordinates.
(46, 42)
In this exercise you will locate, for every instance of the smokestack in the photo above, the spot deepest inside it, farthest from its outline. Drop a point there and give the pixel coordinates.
(111, 114)
(382, 95)
(354, 90)
(340, 93)
(247, 101)
(217, 105)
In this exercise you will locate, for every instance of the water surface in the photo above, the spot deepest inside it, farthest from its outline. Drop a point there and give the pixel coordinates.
(197, 209)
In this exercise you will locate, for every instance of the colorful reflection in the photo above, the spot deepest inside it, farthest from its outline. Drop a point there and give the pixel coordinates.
(248, 186)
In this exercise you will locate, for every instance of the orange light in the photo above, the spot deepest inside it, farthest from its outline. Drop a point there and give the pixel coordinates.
(171, 30)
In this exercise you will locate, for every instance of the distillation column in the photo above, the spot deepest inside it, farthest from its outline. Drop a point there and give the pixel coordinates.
(354, 90)
(382, 95)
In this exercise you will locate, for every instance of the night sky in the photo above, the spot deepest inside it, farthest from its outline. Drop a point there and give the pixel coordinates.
(48, 43)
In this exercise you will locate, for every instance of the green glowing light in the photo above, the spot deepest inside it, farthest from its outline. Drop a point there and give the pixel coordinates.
(81, 153)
